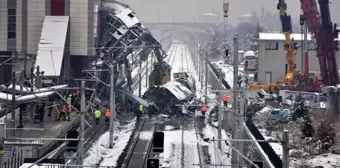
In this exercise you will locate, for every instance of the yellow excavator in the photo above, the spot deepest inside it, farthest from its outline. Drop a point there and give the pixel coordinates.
(291, 50)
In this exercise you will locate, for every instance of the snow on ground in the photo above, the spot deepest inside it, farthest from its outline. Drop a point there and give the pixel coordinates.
(217, 156)
(277, 147)
(145, 135)
(100, 152)
(326, 160)
(172, 155)
(229, 72)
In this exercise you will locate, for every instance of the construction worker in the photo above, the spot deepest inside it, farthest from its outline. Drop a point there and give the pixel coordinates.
(69, 99)
(141, 109)
(68, 112)
(204, 109)
(62, 113)
(225, 100)
(97, 115)
(107, 116)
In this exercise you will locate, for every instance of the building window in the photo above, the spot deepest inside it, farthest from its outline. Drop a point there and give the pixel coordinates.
(311, 46)
(11, 23)
(272, 46)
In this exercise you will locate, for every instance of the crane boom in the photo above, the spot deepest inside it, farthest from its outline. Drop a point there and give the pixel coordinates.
(324, 34)
(289, 46)
(329, 46)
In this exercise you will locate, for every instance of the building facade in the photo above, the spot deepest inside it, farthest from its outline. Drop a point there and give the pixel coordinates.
(21, 29)
(272, 61)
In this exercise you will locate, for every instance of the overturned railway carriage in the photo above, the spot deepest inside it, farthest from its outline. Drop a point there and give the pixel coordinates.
(169, 97)
(124, 43)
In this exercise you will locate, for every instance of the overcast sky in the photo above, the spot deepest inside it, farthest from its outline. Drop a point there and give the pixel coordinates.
(189, 10)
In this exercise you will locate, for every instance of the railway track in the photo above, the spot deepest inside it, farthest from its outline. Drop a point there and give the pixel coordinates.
(203, 151)
(139, 147)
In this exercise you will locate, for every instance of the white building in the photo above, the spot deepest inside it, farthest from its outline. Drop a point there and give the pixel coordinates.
(21, 30)
(272, 61)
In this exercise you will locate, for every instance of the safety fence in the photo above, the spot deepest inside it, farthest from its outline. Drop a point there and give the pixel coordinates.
(267, 149)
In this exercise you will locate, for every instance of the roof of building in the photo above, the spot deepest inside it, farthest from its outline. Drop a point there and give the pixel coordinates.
(280, 36)
(52, 45)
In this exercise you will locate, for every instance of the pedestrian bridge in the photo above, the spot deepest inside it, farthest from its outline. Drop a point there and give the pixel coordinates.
(192, 27)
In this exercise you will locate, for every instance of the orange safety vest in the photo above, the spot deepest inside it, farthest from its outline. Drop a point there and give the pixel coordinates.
(69, 108)
(225, 98)
(204, 108)
(107, 113)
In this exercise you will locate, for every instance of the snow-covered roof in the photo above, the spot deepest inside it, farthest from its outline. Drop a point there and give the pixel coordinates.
(249, 53)
(45, 165)
(124, 13)
(20, 99)
(52, 44)
(35, 90)
(281, 36)
(178, 90)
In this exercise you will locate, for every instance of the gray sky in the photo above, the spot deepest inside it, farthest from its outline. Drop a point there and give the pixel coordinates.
(188, 10)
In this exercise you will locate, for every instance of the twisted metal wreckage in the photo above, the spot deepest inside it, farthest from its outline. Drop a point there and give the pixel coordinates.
(126, 44)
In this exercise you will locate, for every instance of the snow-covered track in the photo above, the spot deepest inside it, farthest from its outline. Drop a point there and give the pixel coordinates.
(203, 151)
(140, 145)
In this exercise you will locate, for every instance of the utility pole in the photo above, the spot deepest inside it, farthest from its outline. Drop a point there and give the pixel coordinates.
(202, 68)
(219, 97)
(285, 151)
(234, 160)
(197, 61)
(139, 75)
(21, 83)
(112, 105)
(82, 122)
(13, 96)
(240, 121)
(2, 136)
(147, 72)
(37, 79)
(206, 78)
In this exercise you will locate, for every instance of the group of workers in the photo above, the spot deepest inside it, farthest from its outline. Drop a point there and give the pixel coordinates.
(97, 114)
(205, 107)
(65, 111)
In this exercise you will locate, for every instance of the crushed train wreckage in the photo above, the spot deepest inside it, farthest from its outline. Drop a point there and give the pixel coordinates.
(168, 98)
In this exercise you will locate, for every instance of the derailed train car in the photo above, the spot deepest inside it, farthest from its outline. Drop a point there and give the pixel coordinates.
(169, 97)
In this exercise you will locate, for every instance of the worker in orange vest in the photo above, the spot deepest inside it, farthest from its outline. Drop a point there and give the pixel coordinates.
(225, 100)
(68, 113)
(62, 113)
(107, 116)
(204, 109)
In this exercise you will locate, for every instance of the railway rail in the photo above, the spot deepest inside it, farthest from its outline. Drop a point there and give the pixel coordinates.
(203, 151)
(139, 149)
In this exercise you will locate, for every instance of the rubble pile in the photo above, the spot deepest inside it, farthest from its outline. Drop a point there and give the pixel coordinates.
(169, 97)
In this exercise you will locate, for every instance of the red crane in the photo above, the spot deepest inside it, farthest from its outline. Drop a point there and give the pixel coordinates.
(322, 33)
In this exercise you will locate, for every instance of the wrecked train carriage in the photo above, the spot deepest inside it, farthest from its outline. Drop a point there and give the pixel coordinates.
(168, 97)
(189, 82)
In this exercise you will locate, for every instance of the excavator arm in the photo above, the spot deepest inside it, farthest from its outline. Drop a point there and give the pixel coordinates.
(289, 45)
